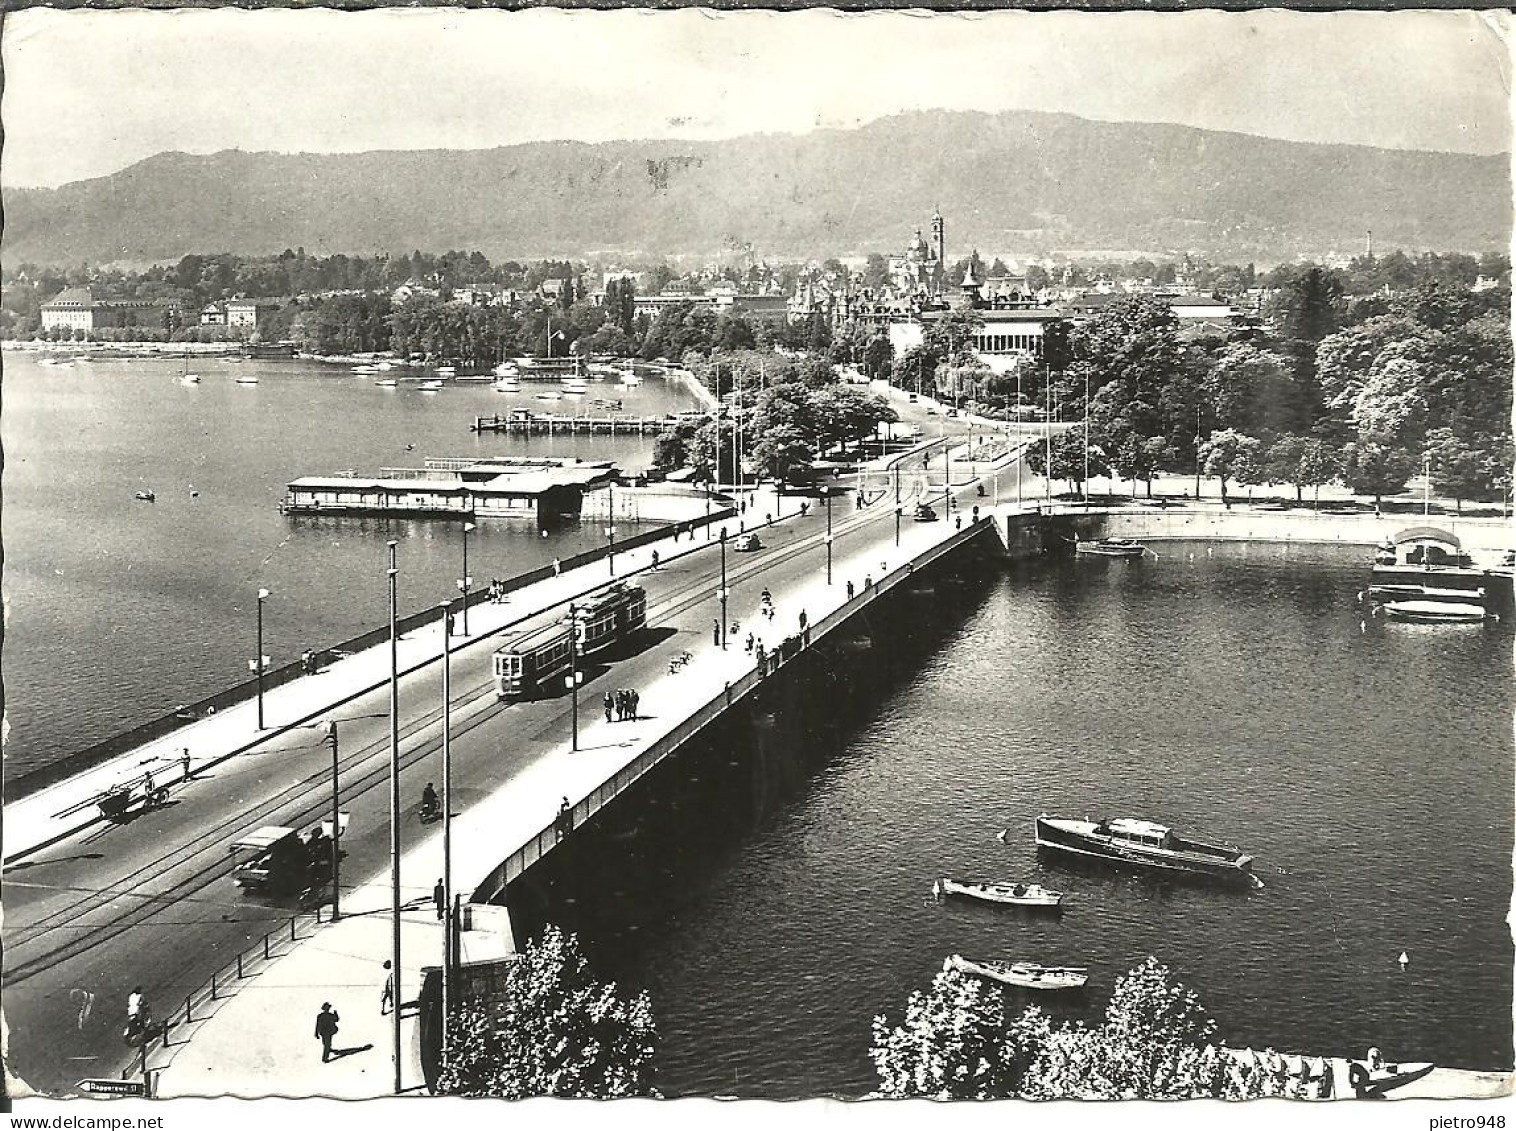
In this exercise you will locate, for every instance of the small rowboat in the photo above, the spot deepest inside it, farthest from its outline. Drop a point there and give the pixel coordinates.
(1436, 612)
(1028, 975)
(1023, 895)
(1110, 548)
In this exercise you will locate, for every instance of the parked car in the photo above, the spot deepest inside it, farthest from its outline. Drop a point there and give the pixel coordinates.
(747, 542)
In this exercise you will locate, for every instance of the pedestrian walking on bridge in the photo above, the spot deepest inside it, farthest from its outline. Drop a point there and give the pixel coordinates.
(326, 1028)
(632, 699)
(439, 897)
(386, 995)
(716, 633)
(610, 705)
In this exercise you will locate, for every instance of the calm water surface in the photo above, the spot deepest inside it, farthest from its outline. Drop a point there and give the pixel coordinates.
(1228, 692)
(121, 610)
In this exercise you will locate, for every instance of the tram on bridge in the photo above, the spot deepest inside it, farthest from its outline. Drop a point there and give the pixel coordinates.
(524, 664)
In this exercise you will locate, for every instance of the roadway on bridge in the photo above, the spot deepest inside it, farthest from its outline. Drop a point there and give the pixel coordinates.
(151, 902)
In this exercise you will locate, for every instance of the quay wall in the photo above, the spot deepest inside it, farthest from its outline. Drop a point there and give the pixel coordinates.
(1028, 532)
(692, 386)
(71, 764)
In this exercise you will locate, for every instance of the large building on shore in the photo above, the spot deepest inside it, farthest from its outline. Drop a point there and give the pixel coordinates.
(76, 308)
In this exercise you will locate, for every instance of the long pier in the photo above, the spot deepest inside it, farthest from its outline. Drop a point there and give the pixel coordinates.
(548, 424)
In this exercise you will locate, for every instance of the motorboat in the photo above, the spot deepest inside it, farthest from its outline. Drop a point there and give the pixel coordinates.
(247, 379)
(430, 386)
(549, 396)
(1435, 559)
(1022, 895)
(1027, 975)
(365, 369)
(387, 382)
(190, 379)
(1144, 844)
(1382, 594)
(1436, 611)
(506, 385)
(146, 496)
(1110, 548)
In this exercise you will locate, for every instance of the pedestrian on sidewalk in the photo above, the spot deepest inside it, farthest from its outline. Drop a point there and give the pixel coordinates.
(803, 620)
(386, 995)
(655, 559)
(557, 565)
(749, 648)
(308, 662)
(184, 757)
(868, 581)
(620, 704)
(849, 590)
(439, 897)
(716, 633)
(326, 1028)
(609, 706)
(632, 700)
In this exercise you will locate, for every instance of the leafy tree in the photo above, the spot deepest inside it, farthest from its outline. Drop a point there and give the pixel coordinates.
(1068, 458)
(1231, 455)
(555, 1031)
(1460, 468)
(955, 1043)
(1375, 468)
(1156, 1041)
(1253, 391)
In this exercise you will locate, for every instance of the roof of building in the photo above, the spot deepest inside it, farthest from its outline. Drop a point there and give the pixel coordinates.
(71, 297)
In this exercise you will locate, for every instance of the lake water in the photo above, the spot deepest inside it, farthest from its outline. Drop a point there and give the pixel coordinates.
(1226, 691)
(118, 610)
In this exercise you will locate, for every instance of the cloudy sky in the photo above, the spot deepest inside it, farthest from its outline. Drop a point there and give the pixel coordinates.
(88, 93)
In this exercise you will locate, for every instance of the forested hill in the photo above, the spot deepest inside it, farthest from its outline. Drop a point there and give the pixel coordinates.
(1016, 183)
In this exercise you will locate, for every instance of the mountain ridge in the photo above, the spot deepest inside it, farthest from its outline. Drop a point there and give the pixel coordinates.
(1014, 183)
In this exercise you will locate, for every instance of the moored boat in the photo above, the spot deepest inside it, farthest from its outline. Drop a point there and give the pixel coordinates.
(387, 382)
(1110, 548)
(1027, 975)
(430, 386)
(1022, 895)
(247, 379)
(1436, 612)
(1144, 844)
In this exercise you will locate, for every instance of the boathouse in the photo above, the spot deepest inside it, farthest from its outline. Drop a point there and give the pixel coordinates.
(538, 489)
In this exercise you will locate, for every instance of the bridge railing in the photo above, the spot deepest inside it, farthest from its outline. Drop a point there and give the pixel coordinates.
(618, 783)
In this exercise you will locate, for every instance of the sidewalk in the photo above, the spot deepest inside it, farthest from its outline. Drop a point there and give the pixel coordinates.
(260, 1041)
(68, 807)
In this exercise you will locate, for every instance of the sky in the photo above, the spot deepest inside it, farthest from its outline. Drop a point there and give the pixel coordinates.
(90, 92)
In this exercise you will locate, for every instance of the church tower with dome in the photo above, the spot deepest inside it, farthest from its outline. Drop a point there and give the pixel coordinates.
(920, 270)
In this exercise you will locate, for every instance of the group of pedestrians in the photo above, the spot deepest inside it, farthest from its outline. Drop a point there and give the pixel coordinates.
(497, 591)
(621, 705)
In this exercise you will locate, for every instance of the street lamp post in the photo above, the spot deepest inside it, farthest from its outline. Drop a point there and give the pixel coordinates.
(395, 968)
(331, 738)
(573, 677)
(467, 581)
(1197, 453)
(610, 531)
(897, 526)
(722, 591)
(827, 498)
(258, 661)
(447, 824)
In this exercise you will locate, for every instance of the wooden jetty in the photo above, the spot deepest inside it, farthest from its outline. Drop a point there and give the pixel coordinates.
(548, 424)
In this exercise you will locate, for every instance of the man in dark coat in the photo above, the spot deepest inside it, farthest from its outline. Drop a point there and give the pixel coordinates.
(326, 1029)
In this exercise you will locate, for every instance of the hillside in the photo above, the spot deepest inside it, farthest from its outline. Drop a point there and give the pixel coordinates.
(1012, 183)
